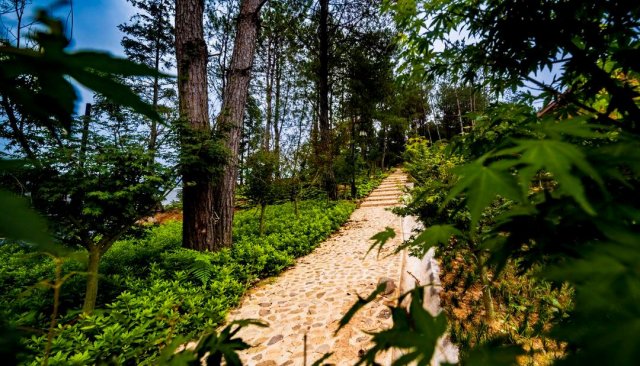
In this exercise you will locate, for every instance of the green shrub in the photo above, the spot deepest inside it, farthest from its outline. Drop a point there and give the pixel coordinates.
(153, 290)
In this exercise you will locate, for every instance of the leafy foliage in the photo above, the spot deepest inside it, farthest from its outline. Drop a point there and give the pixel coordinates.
(554, 176)
(52, 103)
(381, 238)
(155, 292)
(415, 331)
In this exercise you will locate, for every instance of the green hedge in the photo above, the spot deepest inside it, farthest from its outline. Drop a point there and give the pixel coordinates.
(152, 290)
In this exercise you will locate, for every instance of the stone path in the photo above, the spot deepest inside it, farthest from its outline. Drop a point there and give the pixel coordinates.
(308, 300)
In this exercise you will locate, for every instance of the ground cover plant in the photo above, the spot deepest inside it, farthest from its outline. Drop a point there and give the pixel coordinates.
(153, 291)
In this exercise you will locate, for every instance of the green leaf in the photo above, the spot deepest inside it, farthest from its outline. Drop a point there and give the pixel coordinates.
(224, 345)
(116, 92)
(20, 222)
(359, 304)
(482, 184)
(558, 158)
(381, 238)
(415, 331)
(433, 236)
(577, 127)
(106, 63)
(494, 353)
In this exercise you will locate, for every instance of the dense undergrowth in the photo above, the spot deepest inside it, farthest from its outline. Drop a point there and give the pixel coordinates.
(523, 307)
(151, 289)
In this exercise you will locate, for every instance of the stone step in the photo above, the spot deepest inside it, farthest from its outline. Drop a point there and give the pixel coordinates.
(380, 204)
(387, 194)
(382, 199)
(384, 194)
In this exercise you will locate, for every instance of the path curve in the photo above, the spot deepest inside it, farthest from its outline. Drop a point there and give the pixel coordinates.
(311, 297)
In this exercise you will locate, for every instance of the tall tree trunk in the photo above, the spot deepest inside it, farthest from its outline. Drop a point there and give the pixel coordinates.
(354, 187)
(91, 293)
(197, 191)
(269, 97)
(384, 145)
(84, 138)
(17, 131)
(279, 113)
(242, 150)
(230, 119)
(326, 149)
(153, 131)
(459, 114)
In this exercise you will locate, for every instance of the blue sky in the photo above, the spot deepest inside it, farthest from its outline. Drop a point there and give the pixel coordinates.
(95, 26)
(96, 22)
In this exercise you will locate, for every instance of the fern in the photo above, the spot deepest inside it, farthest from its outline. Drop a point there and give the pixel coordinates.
(202, 270)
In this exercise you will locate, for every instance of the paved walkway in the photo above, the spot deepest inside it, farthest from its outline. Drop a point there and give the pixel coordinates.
(311, 297)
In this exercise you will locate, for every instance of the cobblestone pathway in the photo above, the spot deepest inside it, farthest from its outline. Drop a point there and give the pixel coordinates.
(311, 297)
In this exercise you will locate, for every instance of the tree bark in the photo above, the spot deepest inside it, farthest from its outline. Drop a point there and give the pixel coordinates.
(263, 208)
(153, 131)
(487, 299)
(326, 149)
(277, 116)
(92, 279)
(269, 97)
(459, 113)
(354, 187)
(197, 192)
(84, 138)
(230, 119)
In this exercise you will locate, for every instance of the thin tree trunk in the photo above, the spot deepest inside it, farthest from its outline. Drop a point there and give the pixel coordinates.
(269, 98)
(19, 6)
(197, 192)
(263, 208)
(277, 116)
(242, 150)
(84, 138)
(230, 119)
(384, 145)
(487, 299)
(326, 148)
(17, 131)
(153, 130)
(354, 187)
(92, 279)
(459, 114)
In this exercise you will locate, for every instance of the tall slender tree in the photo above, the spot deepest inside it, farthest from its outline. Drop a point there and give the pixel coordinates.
(149, 39)
(196, 134)
(229, 123)
(326, 150)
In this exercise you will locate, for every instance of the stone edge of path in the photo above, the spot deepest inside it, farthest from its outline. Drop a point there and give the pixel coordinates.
(423, 272)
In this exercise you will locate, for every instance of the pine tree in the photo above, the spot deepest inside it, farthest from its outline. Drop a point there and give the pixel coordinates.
(149, 40)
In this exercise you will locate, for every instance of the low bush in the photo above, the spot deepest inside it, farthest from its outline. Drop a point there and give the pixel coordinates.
(151, 289)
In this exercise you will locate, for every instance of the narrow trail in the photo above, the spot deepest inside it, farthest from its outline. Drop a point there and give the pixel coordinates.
(312, 296)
